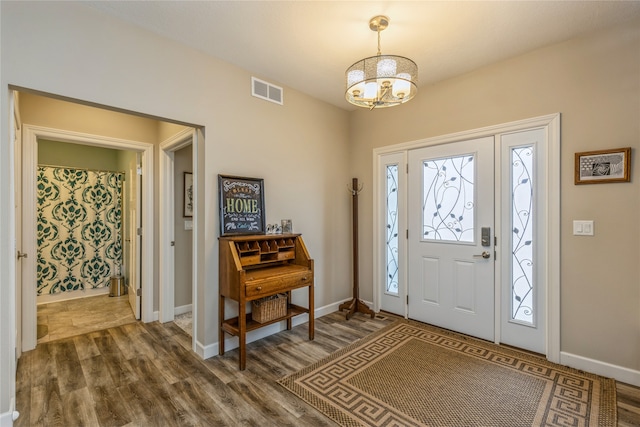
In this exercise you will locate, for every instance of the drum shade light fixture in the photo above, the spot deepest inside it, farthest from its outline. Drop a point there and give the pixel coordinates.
(382, 80)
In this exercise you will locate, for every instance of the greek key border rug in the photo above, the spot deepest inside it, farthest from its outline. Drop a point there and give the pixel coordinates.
(412, 374)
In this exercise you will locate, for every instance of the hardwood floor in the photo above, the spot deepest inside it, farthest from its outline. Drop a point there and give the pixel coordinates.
(628, 405)
(141, 374)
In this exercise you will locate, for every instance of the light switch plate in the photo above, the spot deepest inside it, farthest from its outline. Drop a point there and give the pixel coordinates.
(188, 224)
(582, 228)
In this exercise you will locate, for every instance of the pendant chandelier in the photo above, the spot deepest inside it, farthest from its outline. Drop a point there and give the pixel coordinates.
(382, 80)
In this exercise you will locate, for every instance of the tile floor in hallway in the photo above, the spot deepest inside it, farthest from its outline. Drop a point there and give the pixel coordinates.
(79, 316)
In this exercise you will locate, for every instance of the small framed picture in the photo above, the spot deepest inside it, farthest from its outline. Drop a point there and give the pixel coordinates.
(596, 167)
(287, 226)
(188, 195)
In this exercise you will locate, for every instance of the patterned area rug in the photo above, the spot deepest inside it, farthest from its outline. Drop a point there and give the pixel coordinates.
(412, 374)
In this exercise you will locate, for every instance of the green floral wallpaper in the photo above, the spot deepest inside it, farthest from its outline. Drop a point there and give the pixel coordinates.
(79, 220)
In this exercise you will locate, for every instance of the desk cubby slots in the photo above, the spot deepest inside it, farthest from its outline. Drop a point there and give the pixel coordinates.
(255, 252)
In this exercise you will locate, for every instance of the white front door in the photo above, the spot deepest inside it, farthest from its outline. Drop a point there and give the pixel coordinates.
(451, 257)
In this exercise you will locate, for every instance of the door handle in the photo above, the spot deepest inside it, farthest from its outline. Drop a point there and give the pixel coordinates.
(485, 255)
(21, 255)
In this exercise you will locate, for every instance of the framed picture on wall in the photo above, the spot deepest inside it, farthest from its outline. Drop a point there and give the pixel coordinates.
(188, 195)
(241, 205)
(595, 167)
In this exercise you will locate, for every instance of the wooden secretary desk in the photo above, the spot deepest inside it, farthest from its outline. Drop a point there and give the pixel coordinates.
(257, 266)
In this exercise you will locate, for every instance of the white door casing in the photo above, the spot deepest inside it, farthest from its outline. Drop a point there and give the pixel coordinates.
(548, 210)
(16, 138)
(167, 231)
(31, 134)
(451, 266)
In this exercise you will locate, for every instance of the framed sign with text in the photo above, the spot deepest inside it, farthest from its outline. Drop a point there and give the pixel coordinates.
(241, 205)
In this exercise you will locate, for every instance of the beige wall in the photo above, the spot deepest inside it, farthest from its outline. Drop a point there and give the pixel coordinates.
(68, 49)
(594, 82)
(55, 153)
(58, 114)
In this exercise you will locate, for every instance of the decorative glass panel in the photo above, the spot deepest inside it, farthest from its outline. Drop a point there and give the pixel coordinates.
(448, 204)
(392, 229)
(522, 244)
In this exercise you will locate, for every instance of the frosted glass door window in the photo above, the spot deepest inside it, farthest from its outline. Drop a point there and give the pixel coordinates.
(392, 230)
(448, 199)
(522, 244)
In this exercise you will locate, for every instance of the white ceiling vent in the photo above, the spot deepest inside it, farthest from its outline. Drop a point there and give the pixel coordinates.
(266, 91)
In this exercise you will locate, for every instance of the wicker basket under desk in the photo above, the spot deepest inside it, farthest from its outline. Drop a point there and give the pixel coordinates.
(269, 308)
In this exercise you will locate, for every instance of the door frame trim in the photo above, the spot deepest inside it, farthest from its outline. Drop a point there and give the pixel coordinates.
(551, 124)
(30, 164)
(167, 217)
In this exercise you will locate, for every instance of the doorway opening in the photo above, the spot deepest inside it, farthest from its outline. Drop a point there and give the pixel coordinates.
(87, 204)
(136, 137)
(178, 166)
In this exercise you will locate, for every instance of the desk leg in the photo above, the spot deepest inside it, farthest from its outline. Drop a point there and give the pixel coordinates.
(311, 312)
(289, 323)
(242, 333)
(220, 321)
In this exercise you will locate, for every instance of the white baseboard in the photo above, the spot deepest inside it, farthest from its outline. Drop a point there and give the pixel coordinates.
(231, 343)
(182, 309)
(7, 418)
(205, 351)
(68, 296)
(604, 369)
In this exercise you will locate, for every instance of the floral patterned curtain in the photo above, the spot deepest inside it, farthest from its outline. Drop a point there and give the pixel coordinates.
(79, 220)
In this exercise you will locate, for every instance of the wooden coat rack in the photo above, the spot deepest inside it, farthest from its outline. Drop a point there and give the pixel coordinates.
(355, 305)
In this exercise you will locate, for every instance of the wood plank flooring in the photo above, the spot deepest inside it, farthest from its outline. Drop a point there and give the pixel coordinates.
(141, 374)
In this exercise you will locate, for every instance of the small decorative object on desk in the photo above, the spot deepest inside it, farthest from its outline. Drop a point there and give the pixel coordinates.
(273, 229)
(269, 308)
(287, 226)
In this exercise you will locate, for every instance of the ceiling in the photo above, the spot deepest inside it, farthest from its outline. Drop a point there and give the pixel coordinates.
(307, 45)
